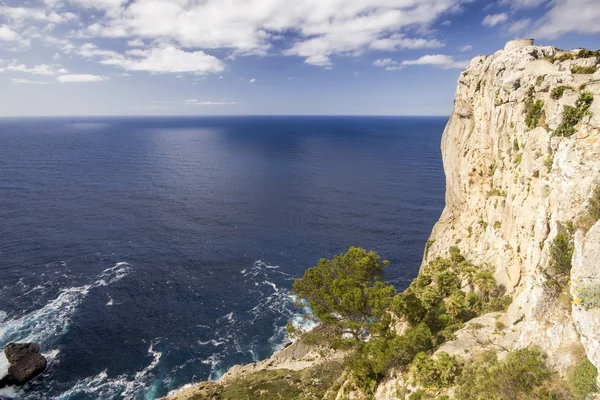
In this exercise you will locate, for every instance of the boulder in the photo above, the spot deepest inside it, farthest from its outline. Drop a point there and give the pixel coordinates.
(26, 362)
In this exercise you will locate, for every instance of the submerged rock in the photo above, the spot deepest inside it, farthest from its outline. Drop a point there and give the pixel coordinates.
(25, 363)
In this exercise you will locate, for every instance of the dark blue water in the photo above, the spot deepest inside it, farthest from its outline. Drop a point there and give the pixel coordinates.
(144, 254)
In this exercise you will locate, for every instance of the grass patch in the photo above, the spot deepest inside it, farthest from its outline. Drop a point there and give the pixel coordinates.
(582, 380)
(534, 114)
(557, 92)
(275, 384)
(496, 192)
(592, 211)
(579, 69)
(523, 374)
(589, 296)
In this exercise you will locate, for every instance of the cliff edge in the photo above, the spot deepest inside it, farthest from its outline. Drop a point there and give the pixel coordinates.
(521, 153)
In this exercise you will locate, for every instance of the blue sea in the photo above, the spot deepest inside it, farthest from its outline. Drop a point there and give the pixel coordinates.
(144, 254)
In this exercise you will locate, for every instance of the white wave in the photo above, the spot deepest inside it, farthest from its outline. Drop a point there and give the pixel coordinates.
(11, 392)
(110, 301)
(123, 386)
(53, 320)
(214, 342)
(4, 364)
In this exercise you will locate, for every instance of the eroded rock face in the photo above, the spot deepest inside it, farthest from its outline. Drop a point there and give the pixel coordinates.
(26, 362)
(511, 188)
(586, 274)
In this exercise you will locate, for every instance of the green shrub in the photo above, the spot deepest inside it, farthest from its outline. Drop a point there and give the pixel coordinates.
(563, 57)
(592, 212)
(589, 296)
(496, 304)
(500, 325)
(558, 92)
(496, 192)
(371, 361)
(428, 246)
(478, 88)
(548, 161)
(497, 225)
(534, 114)
(518, 158)
(585, 53)
(516, 377)
(582, 380)
(579, 69)
(573, 115)
(559, 266)
(439, 372)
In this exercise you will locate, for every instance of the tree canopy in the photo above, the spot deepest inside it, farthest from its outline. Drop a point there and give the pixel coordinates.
(347, 292)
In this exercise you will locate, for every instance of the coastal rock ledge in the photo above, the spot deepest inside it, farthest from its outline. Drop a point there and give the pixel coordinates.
(521, 154)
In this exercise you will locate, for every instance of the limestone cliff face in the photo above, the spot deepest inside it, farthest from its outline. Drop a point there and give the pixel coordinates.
(510, 189)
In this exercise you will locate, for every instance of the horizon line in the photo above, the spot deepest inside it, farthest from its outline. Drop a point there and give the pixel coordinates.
(218, 115)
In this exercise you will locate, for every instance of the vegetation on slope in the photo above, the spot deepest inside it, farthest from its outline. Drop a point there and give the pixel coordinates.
(446, 294)
(311, 384)
(573, 115)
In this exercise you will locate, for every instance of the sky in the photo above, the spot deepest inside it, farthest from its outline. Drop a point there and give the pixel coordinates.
(262, 57)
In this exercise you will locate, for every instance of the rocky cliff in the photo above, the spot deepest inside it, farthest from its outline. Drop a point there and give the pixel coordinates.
(521, 154)
(512, 188)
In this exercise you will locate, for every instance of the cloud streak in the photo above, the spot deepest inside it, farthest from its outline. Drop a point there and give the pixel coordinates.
(81, 78)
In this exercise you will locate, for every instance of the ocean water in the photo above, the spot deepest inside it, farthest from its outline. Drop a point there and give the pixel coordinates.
(143, 254)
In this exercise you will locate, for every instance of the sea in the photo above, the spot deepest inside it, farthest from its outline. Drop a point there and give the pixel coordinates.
(146, 253)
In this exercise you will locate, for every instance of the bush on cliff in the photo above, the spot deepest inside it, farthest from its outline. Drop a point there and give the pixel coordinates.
(348, 292)
(582, 380)
(573, 115)
(592, 211)
(523, 374)
(535, 113)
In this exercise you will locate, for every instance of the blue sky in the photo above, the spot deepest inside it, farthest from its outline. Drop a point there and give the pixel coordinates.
(236, 57)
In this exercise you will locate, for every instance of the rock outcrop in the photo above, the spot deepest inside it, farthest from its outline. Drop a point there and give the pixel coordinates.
(513, 185)
(25, 363)
(511, 188)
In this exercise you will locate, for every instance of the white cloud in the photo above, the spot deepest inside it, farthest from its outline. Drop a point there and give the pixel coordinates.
(399, 41)
(580, 16)
(446, 23)
(195, 102)
(42, 69)
(522, 3)
(322, 28)
(21, 14)
(135, 43)
(28, 82)
(168, 59)
(252, 80)
(438, 60)
(90, 50)
(56, 56)
(519, 26)
(388, 63)
(383, 62)
(495, 19)
(8, 34)
(467, 47)
(81, 78)
(100, 4)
